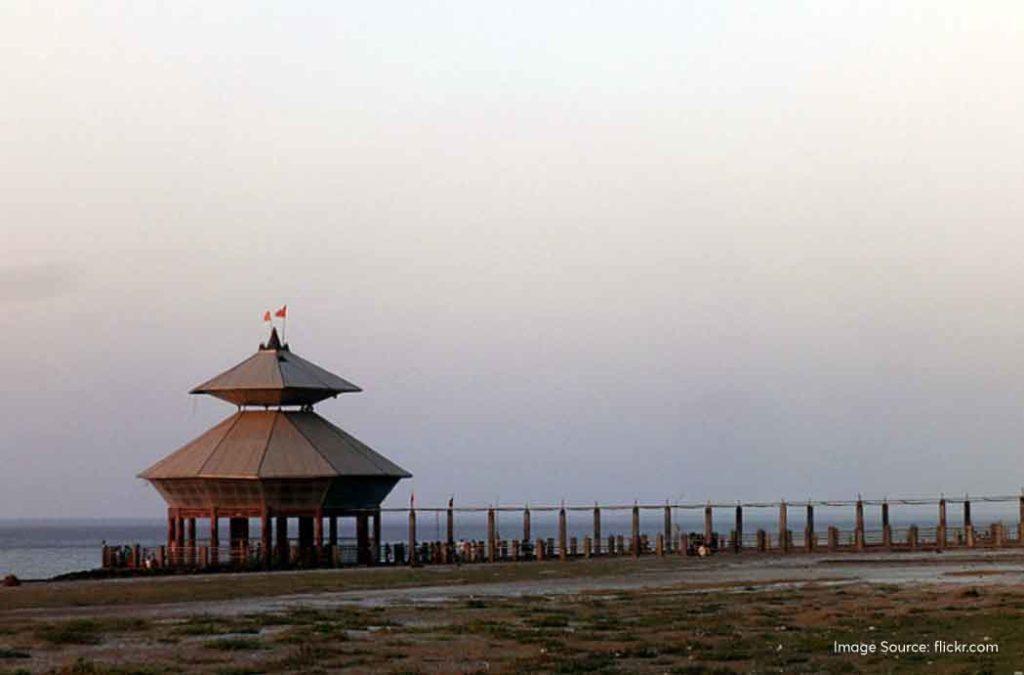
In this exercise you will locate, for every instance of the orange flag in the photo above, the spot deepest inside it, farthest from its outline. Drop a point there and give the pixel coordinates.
(281, 313)
(266, 315)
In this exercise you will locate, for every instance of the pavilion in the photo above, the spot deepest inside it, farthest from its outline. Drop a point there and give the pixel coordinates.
(274, 459)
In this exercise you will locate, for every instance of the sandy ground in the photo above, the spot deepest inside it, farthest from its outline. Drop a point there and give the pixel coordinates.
(1004, 567)
(390, 621)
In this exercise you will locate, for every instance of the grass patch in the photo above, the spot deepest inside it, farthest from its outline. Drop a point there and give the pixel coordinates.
(236, 644)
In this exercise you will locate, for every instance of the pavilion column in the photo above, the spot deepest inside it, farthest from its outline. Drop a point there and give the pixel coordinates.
(265, 539)
(172, 530)
(886, 530)
(940, 534)
(809, 529)
(858, 532)
(332, 532)
(597, 530)
(214, 537)
(305, 534)
(375, 546)
(190, 542)
(281, 536)
(318, 535)
(179, 540)
(363, 538)
(709, 526)
(738, 544)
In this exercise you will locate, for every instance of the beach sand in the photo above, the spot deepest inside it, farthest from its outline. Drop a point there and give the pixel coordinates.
(720, 614)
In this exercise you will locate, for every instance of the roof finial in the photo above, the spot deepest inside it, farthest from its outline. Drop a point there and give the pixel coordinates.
(274, 342)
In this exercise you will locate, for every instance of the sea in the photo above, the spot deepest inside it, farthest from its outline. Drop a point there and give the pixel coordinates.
(42, 548)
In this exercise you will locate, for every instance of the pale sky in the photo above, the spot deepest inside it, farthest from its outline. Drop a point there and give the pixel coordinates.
(580, 251)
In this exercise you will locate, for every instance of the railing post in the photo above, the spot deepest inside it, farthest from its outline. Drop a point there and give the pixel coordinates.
(412, 534)
(762, 541)
(450, 529)
(940, 533)
(858, 533)
(492, 536)
(588, 547)
(1020, 521)
(636, 531)
(709, 525)
(597, 529)
(738, 545)
(526, 526)
(912, 537)
(667, 527)
(783, 527)
(886, 530)
(968, 525)
(809, 529)
(833, 538)
(563, 554)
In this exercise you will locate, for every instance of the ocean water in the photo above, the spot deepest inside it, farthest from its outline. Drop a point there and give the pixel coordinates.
(42, 548)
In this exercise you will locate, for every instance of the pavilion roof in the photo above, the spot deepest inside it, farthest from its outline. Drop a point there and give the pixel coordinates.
(275, 376)
(273, 444)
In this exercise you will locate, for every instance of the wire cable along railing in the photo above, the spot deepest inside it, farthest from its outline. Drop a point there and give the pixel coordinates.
(721, 527)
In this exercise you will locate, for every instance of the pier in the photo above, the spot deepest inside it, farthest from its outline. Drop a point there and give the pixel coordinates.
(722, 533)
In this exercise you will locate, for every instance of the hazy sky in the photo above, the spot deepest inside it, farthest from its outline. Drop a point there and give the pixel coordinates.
(570, 250)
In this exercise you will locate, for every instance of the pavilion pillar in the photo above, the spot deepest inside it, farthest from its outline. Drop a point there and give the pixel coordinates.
(738, 543)
(412, 536)
(281, 534)
(858, 532)
(636, 531)
(886, 530)
(784, 527)
(968, 525)
(809, 535)
(597, 529)
(375, 547)
(318, 536)
(179, 541)
(563, 554)
(172, 530)
(363, 538)
(332, 532)
(940, 533)
(265, 539)
(214, 537)
(190, 541)
(709, 526)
